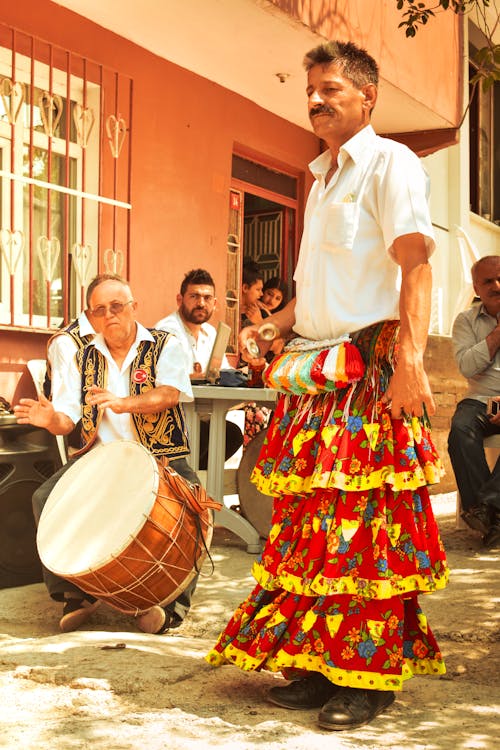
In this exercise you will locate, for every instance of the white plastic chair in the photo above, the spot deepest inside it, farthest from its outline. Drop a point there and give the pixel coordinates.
(469, 254)
(37, 369)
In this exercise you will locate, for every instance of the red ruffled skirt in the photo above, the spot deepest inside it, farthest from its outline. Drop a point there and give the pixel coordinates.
(353, 539)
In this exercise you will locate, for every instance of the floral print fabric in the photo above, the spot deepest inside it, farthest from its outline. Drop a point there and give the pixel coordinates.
(353, 541)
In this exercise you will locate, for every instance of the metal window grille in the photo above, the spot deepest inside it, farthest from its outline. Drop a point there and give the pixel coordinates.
(65, 156)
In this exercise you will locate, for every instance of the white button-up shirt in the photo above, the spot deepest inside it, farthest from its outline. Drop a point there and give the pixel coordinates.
(346, 275)
(171, 370)
(472, 354)
(197, 349)
(62, 349)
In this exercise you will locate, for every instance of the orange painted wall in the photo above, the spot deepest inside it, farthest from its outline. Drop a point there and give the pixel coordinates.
(183, 132)
(429, 65)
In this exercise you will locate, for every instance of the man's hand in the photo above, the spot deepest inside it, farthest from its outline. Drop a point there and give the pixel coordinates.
(409, 392)
(284, 321)
(104, 399)
(493, 341)
(150, 402)
(253, 313)
(252, 332)
(41, 413)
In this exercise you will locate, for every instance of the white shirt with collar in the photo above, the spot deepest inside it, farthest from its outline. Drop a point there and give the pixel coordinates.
(62, 349)
(196, 349)
(346, 275)
(171, 370)
(470, 329)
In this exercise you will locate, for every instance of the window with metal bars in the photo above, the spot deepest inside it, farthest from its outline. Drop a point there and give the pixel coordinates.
(64, 179)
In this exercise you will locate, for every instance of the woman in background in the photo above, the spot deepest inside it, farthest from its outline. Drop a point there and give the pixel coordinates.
(274, 295)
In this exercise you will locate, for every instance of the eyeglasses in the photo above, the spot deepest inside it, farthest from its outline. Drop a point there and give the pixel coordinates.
(115, 308)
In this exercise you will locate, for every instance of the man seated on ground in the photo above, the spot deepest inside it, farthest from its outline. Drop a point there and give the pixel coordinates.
(476, 340)
(196, 304)
(120, 354)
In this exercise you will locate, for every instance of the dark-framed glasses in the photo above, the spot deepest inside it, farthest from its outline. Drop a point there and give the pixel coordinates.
(115, 308)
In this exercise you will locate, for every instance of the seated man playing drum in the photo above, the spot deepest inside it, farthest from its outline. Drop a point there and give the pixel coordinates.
(124, 385)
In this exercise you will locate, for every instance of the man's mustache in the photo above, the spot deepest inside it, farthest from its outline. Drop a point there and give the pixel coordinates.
(322, 109)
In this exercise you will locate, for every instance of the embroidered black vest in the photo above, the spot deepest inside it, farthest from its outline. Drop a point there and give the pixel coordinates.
(163, 433)
(73, 330)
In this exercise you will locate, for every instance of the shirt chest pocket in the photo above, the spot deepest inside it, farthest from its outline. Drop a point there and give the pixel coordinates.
(340, 227)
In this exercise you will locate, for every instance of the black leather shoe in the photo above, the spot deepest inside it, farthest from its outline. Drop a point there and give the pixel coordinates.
(492, 538)
(353, 707)
(478, 518)
(309, 692)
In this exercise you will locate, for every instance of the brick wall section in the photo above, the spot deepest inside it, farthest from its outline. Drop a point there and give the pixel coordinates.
(448, 387)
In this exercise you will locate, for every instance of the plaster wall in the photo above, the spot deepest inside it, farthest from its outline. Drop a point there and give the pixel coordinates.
(184, 130)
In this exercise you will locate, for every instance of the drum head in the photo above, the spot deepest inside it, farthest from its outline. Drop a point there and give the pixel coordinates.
(96, 507)
(255, 507)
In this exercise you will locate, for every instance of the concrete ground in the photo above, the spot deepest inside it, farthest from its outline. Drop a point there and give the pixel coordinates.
(110, 687)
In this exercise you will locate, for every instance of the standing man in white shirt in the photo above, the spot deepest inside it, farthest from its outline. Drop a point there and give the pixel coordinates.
(353, 540)
(130, 407)
(196, 302)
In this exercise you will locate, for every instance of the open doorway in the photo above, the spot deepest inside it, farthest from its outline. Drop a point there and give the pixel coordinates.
(268, 237)
(262, 227)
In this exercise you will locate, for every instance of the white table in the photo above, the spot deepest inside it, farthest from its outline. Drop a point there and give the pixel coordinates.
(215, 401)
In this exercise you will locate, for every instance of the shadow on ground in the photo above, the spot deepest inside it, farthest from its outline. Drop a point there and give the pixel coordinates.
(111, 687)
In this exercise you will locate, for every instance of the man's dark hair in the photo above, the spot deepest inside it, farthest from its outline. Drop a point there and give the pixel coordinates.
(196, 276)
(251, 272)
(100, 279)
(355, 63)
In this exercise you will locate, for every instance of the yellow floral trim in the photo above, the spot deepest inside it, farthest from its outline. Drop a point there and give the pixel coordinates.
(327, 524)
(376, 629)
(328, 433)
(275, 530)
(369, 589)
(308, 621)
(349, 528)
(301, 438)
(375, 525)
(347, 678)
(422, 621)
(416, 428)
(394, 532)
(276, 619)
(294, 484)
(333, 623)
(372, 432)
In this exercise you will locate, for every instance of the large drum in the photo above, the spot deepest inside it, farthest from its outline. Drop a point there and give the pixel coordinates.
(125, 528)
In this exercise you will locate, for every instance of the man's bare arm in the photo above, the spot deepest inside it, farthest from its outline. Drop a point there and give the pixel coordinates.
(409, 391)
(284, 320)
(153, 401)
